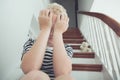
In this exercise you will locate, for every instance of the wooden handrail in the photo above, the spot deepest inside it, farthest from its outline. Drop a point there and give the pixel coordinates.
(113, 24)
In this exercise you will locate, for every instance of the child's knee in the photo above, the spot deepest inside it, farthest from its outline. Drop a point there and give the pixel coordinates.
(65, 77)
(43, 75)
(36, 75)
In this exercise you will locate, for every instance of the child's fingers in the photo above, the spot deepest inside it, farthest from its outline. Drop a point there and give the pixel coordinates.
(47, 12)
(50, 14)
(62, 17)
(58, 17)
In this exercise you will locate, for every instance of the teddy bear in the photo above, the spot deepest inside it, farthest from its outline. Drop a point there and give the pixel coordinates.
(84, 47)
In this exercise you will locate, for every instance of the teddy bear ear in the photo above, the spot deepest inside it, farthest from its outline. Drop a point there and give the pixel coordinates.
(83, 43)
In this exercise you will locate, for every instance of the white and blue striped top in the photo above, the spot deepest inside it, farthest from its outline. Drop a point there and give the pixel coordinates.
(47, 65)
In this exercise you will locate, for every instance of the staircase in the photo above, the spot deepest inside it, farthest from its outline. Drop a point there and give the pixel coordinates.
(85, 66)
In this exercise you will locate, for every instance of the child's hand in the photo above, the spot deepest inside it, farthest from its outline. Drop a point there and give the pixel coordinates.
(45, 19)
(61, 24)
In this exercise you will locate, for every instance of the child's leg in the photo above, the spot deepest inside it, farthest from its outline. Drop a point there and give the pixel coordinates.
(35, 75)
(65, 77)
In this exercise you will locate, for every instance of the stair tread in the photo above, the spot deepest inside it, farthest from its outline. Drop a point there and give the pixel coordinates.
(87, 75)
(84, 61)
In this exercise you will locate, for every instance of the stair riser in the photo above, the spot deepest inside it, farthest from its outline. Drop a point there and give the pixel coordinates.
(83, 56)
(75, 47)
(72, 37)
(87, 67)
(74, 41)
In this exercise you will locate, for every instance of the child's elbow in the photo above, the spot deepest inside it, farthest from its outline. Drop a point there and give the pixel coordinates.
(27, 69)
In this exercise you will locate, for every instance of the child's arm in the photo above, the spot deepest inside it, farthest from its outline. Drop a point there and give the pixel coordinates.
(33, 58)
(61, 61)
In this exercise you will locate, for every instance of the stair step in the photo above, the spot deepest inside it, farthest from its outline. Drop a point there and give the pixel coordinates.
(87, 67)
(73, 37)
(72, 34)
(72, 44)
(84, 55)
(87, 75)
(76, 33)
(77, 41)
(72, 30)
(75, 46)
(84, 61)
(76, 50)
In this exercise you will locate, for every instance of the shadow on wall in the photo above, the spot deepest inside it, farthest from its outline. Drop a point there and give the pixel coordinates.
(34, 28)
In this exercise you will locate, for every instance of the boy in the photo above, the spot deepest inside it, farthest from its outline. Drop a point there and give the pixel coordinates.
(47, 57)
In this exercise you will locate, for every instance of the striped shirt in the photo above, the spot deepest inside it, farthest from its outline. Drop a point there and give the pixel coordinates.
(47, 65)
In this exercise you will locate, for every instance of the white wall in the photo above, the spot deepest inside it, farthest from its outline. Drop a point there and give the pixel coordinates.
(15, 20)
(84, 5)
(109, 7)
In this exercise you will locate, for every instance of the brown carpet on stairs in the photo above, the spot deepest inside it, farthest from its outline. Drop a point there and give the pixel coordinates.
(74, 36)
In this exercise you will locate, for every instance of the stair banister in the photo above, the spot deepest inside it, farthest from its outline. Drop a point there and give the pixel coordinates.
(113, 24)
(103, 34)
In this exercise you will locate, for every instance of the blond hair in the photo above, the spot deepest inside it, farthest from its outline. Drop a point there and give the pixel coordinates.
(57, 9)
